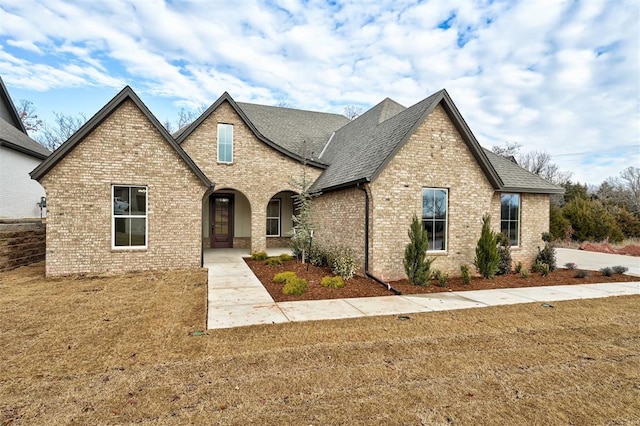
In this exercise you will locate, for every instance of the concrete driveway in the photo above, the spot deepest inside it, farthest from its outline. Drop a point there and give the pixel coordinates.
(593, 261)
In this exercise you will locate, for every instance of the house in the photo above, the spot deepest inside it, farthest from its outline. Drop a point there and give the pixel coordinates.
(19, 154)
(124, 195)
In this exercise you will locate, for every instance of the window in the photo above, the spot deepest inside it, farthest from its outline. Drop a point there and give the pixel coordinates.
(434, 217)
(510, 217)
(273, 218)
(225, 143)
(129, 217)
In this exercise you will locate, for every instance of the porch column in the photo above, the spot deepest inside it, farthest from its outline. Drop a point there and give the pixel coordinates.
(259, 226)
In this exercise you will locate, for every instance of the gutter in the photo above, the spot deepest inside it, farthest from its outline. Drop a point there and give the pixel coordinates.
(366, 244)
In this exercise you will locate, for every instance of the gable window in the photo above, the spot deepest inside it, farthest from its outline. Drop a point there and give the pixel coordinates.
(434, 217)
(273, 218)
(225, 143)
(510, 217)
(129, 217)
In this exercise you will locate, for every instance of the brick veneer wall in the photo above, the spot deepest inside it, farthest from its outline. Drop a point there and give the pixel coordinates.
(258, 171)
(436, 156)
(126, 149)
(22, 242)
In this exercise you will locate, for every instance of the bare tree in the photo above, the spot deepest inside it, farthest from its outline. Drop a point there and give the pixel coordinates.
(185, 117)
(537, 162)
(28, 115)
(509, 149)
(53, 135)
(282, 102)
(352, 112)
(623, 190)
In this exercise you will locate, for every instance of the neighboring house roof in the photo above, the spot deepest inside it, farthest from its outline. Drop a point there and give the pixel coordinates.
(125, 94)
(360, 151)
(281, 124)
(13, 133)
(518, 179)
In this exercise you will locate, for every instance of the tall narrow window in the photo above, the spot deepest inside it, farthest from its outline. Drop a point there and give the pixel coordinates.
(510, 217)
(273, 218)
(225, 143)
(434, 217)
(129, 217)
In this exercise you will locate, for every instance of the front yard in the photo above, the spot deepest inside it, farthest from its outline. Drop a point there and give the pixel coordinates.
(128, 349)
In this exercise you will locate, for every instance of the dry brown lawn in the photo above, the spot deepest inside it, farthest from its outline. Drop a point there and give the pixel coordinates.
(113, 350)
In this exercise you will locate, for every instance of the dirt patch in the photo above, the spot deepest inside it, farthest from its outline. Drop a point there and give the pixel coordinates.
(629, 250)
(366, 287)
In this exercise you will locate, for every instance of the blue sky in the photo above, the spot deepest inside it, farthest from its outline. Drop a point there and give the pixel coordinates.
(559, 76)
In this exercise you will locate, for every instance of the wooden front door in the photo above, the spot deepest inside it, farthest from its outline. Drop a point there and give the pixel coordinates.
(221, 221)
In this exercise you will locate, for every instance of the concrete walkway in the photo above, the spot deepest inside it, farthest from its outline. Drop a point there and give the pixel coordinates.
(237, 298)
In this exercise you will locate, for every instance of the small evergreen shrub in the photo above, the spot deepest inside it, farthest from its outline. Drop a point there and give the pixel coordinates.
(487, 258)
(619, 269)
(332, 282)
(519, 267)
(286, 257)
(416, 264)
(580, 273)
(536, 268)
(504, 250)
(607, 271)
(547, 256)
(344, 263)
(273, 261)
(284, 277)
(524, 273)
(465, 273)
(259, 255)
(318, 256)
(441, 278)
(570, 265)
(295, 287)
(544, 269)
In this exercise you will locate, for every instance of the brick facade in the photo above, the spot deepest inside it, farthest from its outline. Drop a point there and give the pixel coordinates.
(258, 171)
(125, 149)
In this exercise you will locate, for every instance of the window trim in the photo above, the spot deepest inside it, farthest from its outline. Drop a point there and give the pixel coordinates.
(446, 220)
(224, 125)
(272, 217)
(130, 216)
(518, 220)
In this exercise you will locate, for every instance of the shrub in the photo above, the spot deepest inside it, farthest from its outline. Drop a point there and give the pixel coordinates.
(295, 287)
(259, 255)
(487, 257)
(285, 257)
(571, 266)
(318, 256)
(581, 274)
(344, 263)
(536, 268)
(547, 255)
(619, 269)
(504, 250)
(544, 269)
(284, 277)
(416, 264)
(441, 278)
(332, 282)
(524, 273)
(519, 267)
(466, 274)
(273, 261)
(607, 272)
(591, 221)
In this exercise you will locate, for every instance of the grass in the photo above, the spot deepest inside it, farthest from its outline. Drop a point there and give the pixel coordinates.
(123, 350)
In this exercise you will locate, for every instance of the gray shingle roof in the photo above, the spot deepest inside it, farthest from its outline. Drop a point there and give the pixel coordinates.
(518, 179)
(15, 139)
(293, 129)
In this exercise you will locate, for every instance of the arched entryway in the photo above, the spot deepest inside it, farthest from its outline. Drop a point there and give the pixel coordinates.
(280, 211)
(226, 220)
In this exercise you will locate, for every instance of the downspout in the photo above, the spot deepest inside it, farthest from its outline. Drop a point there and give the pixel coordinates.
(366, 244)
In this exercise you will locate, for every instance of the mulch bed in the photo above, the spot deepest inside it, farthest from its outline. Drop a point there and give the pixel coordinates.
(365, 287)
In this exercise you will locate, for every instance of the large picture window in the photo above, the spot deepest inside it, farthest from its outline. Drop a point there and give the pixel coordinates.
(129, 217)
(510, 217)
(273, 218)
(434, 217)
(225, 143)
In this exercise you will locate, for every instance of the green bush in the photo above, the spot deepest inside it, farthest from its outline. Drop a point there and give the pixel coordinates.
(286, 257)
(332, 282)
(487, 257)
(524, 273)
(544, 269)
(273, 261)
(319, 256)
(580, 273)
(504, 250)
(295, 287)
(559, 226)
(547, 256)
(619, 269)
(441, 278)
(344, 263)
(284, 277)
(259, 255)
(416, 264)
(536, 268)
(466, 274)
(519, 267)
(607, 272)
(591, 221)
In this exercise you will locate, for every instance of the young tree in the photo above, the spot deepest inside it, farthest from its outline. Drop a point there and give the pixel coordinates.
(487, 258)
(302, 220)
